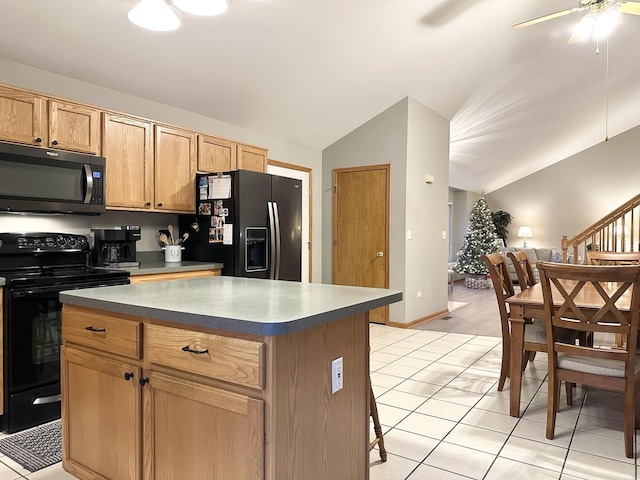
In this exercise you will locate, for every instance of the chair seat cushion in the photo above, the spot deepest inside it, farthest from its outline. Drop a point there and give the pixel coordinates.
(597, 366)
(536, 333)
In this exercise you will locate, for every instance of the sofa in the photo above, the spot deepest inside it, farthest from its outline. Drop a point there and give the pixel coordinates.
(533, 254)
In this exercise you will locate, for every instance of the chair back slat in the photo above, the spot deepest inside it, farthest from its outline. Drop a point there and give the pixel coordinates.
(612, 258)
(524, 271)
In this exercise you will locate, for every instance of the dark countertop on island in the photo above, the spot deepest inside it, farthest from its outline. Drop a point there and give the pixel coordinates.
(245, 305)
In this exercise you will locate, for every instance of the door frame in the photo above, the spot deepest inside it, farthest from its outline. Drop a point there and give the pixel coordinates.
(300, 168)
(334, 240)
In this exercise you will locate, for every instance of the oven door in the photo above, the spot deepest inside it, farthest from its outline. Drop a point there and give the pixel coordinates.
(33, 334)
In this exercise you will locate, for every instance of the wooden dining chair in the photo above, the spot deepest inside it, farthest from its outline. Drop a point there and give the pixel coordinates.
(613, 258)
(524, 271)
(535, 339)
(587, 298)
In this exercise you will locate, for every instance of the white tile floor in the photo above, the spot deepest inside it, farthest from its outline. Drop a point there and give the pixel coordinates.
(444, 419)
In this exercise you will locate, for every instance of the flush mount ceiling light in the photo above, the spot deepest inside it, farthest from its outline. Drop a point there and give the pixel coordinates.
(154, 15)
(202, 7)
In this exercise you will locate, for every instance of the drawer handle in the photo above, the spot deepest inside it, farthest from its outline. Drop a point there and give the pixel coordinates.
(128, 376)
(93, 329)
(197, 352)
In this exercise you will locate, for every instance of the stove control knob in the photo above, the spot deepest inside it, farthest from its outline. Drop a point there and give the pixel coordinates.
(60, 240)
(72, 242)
(82, 241)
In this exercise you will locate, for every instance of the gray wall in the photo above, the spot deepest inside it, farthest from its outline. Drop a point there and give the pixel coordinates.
(414, 141)
(427, 212)
(20, 75)
(381, 140)
(567, 197)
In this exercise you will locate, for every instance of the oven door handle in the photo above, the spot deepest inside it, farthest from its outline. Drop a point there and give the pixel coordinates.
(45, 400)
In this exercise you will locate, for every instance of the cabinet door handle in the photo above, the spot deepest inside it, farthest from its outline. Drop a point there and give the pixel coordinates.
(128, 376)
(144, 381)
(38, 140)
(160, 204)
(55, 142)
(93, 329)
(148, 204)
(197, 352)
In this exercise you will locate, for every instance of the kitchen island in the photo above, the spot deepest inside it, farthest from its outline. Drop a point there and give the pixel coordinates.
(217, 378)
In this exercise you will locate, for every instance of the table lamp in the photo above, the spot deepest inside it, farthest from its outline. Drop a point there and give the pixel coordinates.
(525, 232)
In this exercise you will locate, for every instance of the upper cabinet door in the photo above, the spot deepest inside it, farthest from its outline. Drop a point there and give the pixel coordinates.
(23, 117)
(127, 145)
(74, 127)
(252, 158)
(175, 170)
(215, 154)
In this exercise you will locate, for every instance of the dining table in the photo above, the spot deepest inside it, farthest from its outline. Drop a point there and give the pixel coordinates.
(529, 304)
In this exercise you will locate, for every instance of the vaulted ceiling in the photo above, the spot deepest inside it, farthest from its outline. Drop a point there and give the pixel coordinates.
(311, 71)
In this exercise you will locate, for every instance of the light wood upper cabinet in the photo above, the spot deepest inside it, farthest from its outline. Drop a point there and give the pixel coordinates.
(175, 169)
(127, 144)
(74, 127)
(23, 117)
(252, 158)
(216, 154)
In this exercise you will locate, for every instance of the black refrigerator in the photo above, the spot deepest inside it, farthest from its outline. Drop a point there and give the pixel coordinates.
(249, 221)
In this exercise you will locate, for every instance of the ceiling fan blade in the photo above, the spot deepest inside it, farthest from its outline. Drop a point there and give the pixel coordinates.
(630, 7)
(547, 17)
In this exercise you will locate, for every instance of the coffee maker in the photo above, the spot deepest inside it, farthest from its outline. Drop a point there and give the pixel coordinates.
(116, 247)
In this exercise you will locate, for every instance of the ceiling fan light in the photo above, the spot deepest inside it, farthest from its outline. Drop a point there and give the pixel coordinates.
(154, 15)
(202, 7)
(605, 23)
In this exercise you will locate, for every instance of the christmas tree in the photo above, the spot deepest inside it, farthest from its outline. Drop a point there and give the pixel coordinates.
(480, 238)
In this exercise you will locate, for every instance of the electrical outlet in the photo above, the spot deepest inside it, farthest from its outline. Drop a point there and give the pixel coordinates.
(419, 293)
(337, 378)
(444, 234)
(409, 234)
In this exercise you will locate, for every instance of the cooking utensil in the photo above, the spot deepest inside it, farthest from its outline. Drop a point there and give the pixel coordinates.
(171, 237)
(163, 238)
(184, 238)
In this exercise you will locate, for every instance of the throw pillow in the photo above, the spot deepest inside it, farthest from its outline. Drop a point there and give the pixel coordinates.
(556, 255)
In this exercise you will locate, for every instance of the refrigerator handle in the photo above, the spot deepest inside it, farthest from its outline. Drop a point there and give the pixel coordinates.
(278, 256)
(272, 242)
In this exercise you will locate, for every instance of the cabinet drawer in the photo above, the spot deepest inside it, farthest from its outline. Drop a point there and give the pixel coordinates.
(102, 332)
(230, 359)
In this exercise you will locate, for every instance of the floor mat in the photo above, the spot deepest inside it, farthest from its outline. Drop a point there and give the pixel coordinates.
(35, 448)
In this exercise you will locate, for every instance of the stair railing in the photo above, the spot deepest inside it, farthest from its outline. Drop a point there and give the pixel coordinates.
(618, 231)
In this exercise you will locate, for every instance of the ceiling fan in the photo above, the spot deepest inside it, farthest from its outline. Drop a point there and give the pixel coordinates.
(598, 20)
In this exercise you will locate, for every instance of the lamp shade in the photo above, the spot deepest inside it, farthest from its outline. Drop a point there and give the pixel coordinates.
(154, 15)
(525, 232)
(202, 7)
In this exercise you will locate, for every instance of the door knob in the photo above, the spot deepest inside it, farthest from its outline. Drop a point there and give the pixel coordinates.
(380, 254)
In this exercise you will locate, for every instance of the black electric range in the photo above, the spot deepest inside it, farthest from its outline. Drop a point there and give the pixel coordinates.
(36, 268)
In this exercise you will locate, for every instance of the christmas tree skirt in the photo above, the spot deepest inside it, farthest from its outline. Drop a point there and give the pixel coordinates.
(479, 282)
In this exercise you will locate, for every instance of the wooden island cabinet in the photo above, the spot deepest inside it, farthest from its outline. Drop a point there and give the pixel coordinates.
(216, 378)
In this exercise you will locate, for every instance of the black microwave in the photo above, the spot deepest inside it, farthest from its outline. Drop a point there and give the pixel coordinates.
(34, 179)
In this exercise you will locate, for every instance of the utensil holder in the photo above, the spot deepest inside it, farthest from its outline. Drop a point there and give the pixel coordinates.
(172, 253)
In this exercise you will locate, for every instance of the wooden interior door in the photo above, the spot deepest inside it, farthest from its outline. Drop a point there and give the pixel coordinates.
(361, 229)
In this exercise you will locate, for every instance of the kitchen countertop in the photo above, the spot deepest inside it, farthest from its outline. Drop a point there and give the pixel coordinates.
(150, 268)
(245, 305)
